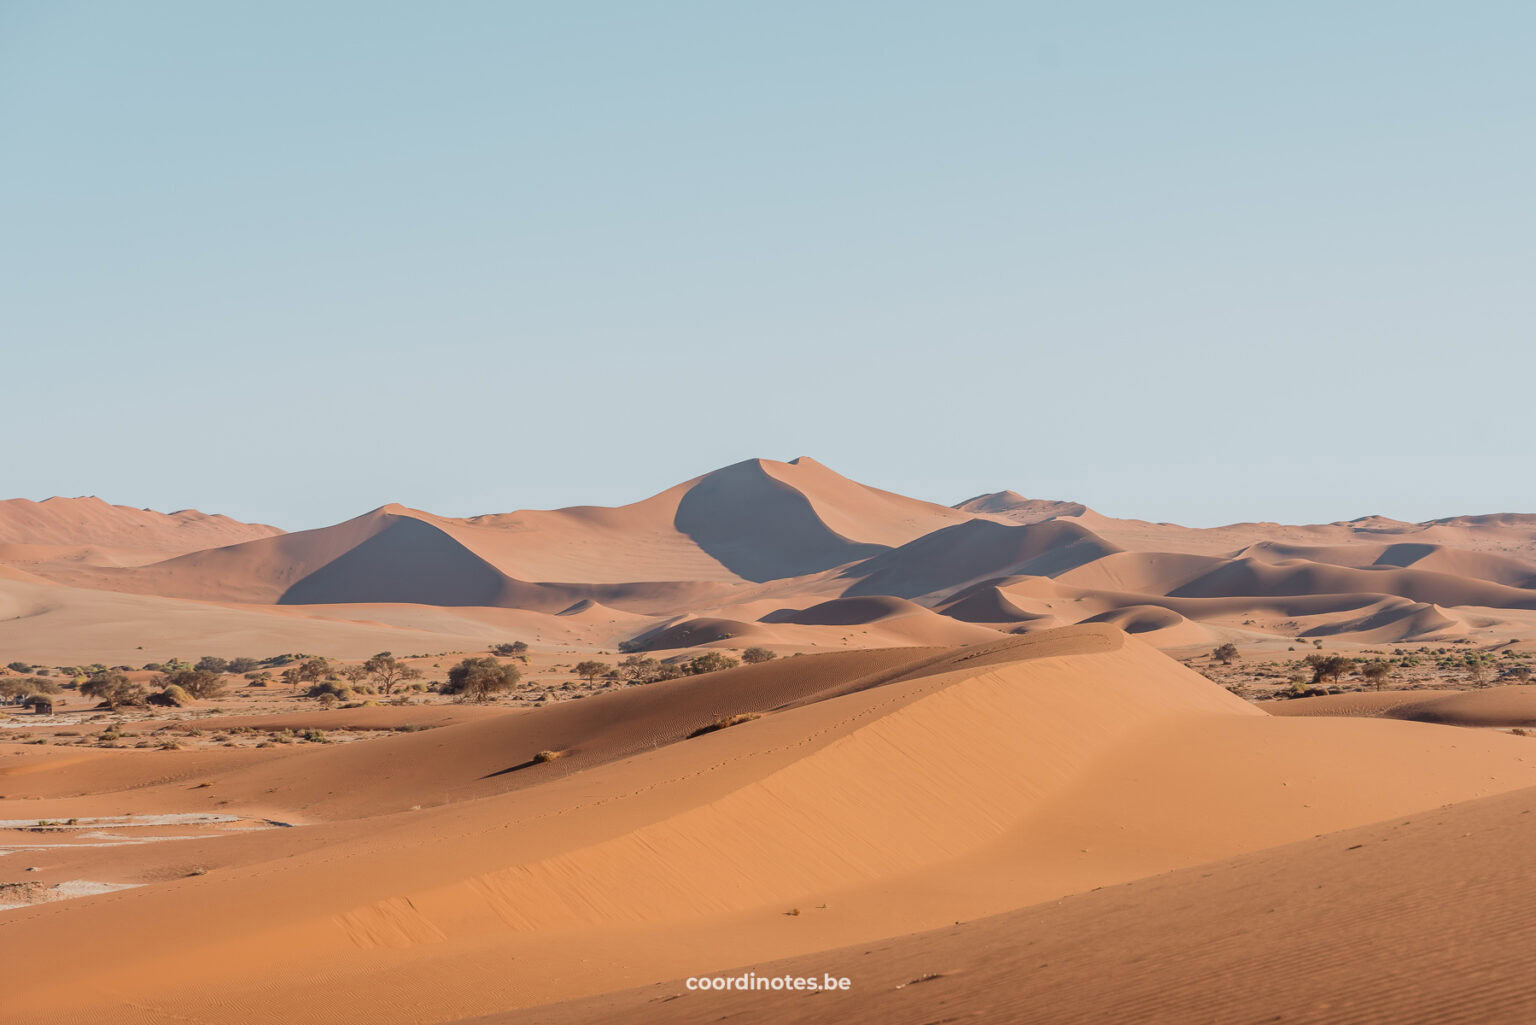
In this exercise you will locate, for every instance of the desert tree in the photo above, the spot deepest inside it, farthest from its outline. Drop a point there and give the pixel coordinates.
(480, 679)
(314, 669)
(199, 683)
(388, 672)
(754, 656)
(1328, 668)
(710, 662)
(515, 649)
(1377, 673)
(354, 674)
(1226, 653)
(590, 670)
(113, 689)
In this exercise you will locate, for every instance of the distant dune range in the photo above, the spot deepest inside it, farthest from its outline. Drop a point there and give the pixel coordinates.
(760, 552)
(878, 798)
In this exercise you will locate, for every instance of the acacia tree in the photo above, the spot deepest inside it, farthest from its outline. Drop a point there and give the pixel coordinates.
(1327, 668)
(481, 679)
(114, 689)
(754, 656)
(1377, 673)
(1477, 673)
(354, 674)
(590, 670)
(291, 678)
(198, 683)
(1226, 653)
(710, 662)
(313, 670)
(389, 672)
(516, 649)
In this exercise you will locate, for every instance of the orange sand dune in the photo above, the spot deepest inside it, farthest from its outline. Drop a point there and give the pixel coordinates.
(879, 793)
(72, 523)
(725, 548)
(1494, 706)
(1415, 921)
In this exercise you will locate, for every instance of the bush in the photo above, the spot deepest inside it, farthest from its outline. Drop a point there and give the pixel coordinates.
(172, 696)
(710, 662)
(546, 756)
(199, 683)
(480, 679)
(723, 723)
(755, 656)
(212, 664)
(516, 649)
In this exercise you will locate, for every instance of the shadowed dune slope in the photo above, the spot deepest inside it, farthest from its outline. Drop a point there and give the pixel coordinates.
(881, 792)
(967, 552)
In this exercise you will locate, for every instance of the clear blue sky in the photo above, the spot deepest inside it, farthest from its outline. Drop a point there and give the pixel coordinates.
(1191, 261)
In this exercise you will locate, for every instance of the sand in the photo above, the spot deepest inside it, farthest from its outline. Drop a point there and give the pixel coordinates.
(878, 792)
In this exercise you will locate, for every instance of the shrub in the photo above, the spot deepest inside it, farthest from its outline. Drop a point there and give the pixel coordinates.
(546, 756)
(1226, 653)
(754, 656)
(516, 649)
(213, 664)
(172, 696)
(723, 723)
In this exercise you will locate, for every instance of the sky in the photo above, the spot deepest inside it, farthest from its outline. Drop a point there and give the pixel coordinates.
(1197, 262)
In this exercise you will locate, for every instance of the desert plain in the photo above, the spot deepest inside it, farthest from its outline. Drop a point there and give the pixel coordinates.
(1006, 760)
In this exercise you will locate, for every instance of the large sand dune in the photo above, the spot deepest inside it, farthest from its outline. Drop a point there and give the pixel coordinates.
(447, 874)
(1419, 920)
(687, 565)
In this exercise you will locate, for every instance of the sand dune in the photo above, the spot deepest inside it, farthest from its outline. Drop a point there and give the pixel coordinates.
(879, 792)
(776, 535)
(74, 522)
(1415, 921)
(1494, 706)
